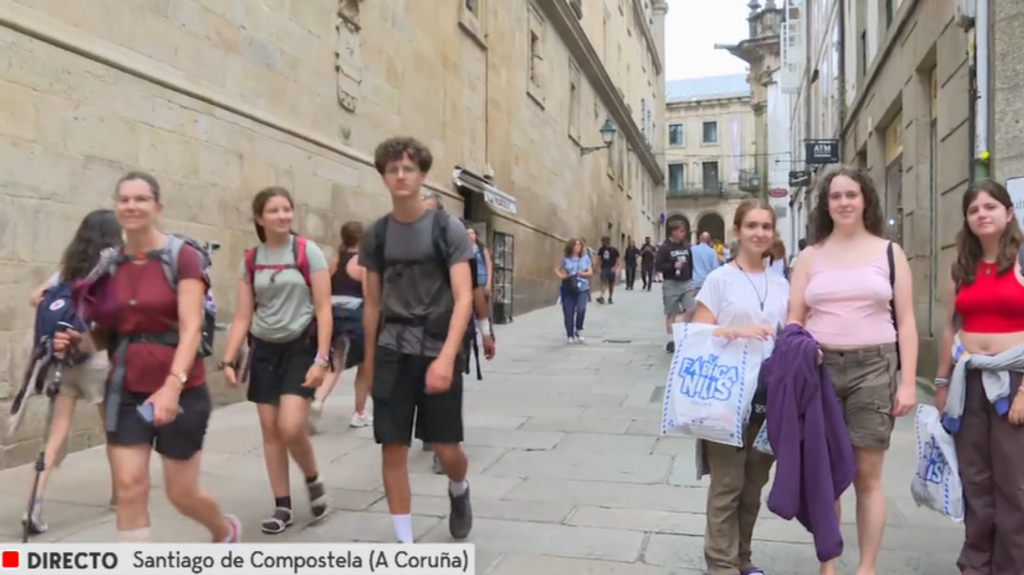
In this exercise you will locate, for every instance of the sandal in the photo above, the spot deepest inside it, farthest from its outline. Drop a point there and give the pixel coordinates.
(319, 500)
(278, 522)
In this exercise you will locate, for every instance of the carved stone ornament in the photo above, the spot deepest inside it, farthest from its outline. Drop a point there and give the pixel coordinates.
(348, 55)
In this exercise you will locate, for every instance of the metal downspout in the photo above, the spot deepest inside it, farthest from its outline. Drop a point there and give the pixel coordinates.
(982, 92)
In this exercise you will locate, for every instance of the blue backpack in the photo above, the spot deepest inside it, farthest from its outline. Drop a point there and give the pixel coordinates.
(55, 312)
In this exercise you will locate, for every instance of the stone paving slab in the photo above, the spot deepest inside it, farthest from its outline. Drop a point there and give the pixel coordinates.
(569, 476)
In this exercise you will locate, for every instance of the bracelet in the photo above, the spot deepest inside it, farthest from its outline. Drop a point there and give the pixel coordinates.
(322, 361)
(940, 382)
(484, 327)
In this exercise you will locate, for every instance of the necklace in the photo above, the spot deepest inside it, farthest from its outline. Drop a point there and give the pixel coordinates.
(760, 300)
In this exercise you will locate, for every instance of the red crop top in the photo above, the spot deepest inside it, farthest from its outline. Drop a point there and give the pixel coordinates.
(994, 303)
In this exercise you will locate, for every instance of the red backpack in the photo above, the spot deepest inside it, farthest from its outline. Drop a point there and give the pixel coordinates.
(299, 257)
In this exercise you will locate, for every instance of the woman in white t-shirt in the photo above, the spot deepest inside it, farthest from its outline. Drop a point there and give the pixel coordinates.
(747, 301)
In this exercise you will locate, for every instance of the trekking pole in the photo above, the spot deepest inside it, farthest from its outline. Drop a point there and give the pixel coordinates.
(51, 394)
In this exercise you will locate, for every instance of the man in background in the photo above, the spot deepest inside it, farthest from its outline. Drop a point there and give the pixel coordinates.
(705, 261)
(609, 268)
(632, 256)
(675, 262)
(647, 253)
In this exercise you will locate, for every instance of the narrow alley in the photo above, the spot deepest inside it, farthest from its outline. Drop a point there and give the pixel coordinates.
(568, 473)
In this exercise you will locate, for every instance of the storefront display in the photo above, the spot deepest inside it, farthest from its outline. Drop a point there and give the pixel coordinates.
(503, 262)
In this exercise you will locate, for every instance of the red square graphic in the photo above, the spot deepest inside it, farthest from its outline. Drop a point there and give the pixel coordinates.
(10, 559)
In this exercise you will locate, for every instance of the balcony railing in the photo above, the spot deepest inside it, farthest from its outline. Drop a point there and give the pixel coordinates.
(701, 190)
(577, 8)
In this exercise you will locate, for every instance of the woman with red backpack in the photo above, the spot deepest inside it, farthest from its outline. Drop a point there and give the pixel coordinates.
(284, 311)
(157, 397)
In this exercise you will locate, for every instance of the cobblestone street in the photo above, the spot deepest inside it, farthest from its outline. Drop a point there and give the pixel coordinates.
(567, 470)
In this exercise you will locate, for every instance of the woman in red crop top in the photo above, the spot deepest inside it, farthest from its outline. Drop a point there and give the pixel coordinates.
(987, 289)
(168, 380)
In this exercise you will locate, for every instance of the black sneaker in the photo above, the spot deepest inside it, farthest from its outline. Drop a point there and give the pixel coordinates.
(600, 300)
(460, 522)
(670, 347)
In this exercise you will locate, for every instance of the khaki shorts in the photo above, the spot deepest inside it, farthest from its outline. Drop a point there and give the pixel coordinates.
(678, 297)
(86, 381)
(865, 383)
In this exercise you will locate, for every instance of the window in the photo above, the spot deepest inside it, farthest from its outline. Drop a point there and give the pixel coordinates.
(471, 20)
(536, 56)
(888, 13)
(710, 133)
(574, 101)
(709, 171)
(676, 177)
(675, 134)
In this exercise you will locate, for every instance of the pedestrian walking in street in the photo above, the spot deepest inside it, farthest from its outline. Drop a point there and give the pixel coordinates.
(675, 262)
(284, 310)
(574, 271)
(347, 337)
(986, 322)
(705, 261)
(162, 402)
(747, 302)
(482, 257)
(847, 290)
(608, 255)
(631, 257)
(647, 253)
(418, 301)
(97, 232)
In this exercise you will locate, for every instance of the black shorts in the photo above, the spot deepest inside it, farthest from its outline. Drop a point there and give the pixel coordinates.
(179, 439)
(348, 327)
(399, 397)
(277, 369)
(608, 276)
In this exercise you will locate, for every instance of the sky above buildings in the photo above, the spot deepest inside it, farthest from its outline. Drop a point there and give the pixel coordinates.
(693, 27)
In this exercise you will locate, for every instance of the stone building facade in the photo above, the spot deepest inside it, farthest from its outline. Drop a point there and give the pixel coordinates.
(711, 152)
(902, 111)
(219, 99)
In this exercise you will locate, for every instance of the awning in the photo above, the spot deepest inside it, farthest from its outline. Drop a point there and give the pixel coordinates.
(494, 197)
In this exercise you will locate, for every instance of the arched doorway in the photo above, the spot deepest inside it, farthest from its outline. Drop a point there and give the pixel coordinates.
(713, 224)
(678, 218)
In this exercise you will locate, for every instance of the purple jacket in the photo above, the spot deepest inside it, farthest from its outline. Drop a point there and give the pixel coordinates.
(811, 445)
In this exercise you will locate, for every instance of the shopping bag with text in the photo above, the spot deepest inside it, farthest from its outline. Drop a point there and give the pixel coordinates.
(710, 385)
(936, 482)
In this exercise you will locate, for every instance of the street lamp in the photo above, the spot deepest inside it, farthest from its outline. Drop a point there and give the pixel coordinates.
(607, 136)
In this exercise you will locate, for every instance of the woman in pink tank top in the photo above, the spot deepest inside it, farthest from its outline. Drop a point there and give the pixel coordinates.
(851, 289)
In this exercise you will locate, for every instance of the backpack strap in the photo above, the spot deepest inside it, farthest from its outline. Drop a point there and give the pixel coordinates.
(439, 239)
(299, 245)
(380, 234)
(169, 259)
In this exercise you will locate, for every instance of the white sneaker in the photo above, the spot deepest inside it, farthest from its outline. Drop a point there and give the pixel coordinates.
(570, 340)
(580, 338)
(361, 419)
(316, 411)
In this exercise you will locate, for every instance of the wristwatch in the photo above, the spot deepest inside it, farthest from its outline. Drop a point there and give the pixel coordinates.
(181, 376)
(224, 364)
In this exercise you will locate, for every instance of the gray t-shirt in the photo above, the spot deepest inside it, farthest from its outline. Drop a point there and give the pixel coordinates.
(414, 291)
(284, 307)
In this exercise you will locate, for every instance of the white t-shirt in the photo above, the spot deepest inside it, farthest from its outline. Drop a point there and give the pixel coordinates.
(735, 297)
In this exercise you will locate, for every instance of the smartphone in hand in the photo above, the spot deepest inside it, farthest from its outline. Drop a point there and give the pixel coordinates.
(146, 412)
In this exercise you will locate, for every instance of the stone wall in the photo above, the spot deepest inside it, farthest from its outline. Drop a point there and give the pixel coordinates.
(898, 86)
(221, 98)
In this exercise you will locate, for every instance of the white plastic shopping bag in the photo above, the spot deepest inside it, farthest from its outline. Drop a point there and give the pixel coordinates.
(710, 385)
(761, 442)
(936, 483)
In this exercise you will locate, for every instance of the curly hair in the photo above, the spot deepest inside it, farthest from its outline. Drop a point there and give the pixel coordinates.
(394, 149)
(968, 247)
(98, 231)
(821, 222)
(570, 245)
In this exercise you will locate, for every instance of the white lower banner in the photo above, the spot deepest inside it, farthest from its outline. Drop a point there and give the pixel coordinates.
(240, 559)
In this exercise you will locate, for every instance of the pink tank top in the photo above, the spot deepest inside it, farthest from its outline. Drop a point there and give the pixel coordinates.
(848, 307)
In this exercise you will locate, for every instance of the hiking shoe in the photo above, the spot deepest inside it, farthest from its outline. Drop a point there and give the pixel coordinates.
(319, 500)
(280, 520)
(361, 419)
(234, 529)
(460, 522)
(36, 524)
(438, 468)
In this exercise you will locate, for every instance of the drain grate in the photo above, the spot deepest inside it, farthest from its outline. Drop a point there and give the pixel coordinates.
(618, 341)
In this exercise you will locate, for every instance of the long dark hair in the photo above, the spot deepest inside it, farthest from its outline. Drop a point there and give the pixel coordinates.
(351, 234)
(821, 222)
(260, 202)
(968, 247)
(98, 231)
